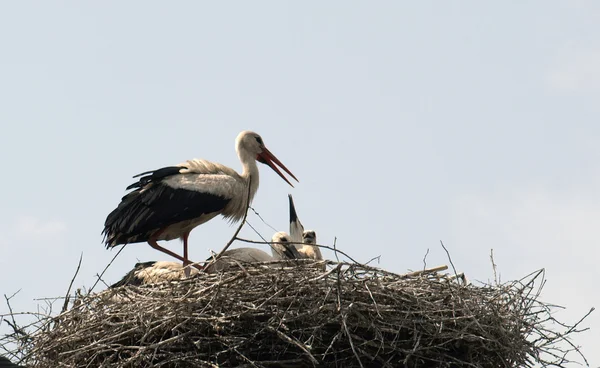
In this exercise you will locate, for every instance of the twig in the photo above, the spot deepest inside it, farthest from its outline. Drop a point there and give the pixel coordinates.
(449, 258)
(378, 258)
(262, 219)
(66, 303)
(350, 340)
(425, 259)
(335, 251)
(12, 315)
(428, 270)
(494, 266)
(234, 237)
(293, 341)
(106, 268)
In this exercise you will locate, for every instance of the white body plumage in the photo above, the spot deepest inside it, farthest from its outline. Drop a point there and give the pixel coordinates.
(168, 203)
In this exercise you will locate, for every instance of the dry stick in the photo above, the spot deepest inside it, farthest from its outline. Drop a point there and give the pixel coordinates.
(293, 341)
(12, 316)
(378, 258)
(66, 304)
(572, 329)
(428, 270)
(493, 266)
(449, 258)
(234, 237)
(425, 259)
(350, 340)
(335, 249)
(106, 268)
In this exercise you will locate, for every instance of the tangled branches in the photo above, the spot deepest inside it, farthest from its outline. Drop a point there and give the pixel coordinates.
(295, 315)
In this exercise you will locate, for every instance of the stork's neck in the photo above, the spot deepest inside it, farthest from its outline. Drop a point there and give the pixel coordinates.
(249, 171)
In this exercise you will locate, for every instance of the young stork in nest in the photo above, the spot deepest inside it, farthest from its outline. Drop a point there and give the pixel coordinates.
(280, 249)
(308, 249)
(154, 272)
(169, 203)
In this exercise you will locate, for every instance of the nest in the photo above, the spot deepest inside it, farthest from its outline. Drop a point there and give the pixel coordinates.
(296, 315)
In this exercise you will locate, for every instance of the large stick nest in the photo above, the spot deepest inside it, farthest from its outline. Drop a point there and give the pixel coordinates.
(296, 315)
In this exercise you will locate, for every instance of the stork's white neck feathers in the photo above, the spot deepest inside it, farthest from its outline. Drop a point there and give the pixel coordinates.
(249, 168)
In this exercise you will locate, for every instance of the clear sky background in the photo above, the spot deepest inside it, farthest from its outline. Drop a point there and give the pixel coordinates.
(475, 123)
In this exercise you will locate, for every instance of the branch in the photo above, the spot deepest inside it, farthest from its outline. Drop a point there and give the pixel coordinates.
(66, 304)
(234, 237)
(449, 258)
(106, 268)
(494, 266)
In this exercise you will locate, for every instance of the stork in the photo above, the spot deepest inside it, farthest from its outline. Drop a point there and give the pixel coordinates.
(170, 202)
(155, 271)
(280, 250)
(308, 249)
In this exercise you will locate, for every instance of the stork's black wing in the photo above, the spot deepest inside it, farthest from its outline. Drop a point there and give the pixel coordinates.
(155, 205)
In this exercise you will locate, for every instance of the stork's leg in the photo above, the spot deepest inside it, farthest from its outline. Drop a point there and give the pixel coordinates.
(153, 243)
(186, 260)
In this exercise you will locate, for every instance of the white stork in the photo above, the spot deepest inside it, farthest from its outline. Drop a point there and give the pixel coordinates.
(154, 272)
(308, 249)
(168, 203)
(280, 250)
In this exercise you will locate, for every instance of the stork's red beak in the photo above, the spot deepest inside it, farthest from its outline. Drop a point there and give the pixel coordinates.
(266, 157)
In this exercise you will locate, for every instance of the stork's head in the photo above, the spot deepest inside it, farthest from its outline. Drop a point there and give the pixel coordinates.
(249, 145)
(309, 237)
(281, 247)
(280, 237)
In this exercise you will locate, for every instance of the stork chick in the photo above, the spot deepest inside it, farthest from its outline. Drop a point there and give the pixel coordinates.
(280, 249)
(154, 272)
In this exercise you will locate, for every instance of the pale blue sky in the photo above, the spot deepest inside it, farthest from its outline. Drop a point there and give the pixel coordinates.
(407, 123)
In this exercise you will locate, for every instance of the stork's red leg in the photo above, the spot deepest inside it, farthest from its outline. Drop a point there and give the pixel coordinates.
(186, 260)
(153, 243)
(185, 249)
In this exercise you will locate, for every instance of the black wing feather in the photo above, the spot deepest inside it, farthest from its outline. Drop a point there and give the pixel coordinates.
(291, 252)
(155, 176)
(293, 214)
(131, 277)
(155, 205)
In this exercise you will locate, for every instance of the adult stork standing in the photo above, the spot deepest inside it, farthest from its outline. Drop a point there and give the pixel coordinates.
(170, 202)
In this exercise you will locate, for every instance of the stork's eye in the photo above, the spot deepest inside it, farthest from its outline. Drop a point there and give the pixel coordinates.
(284, 239)
(259, 140)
